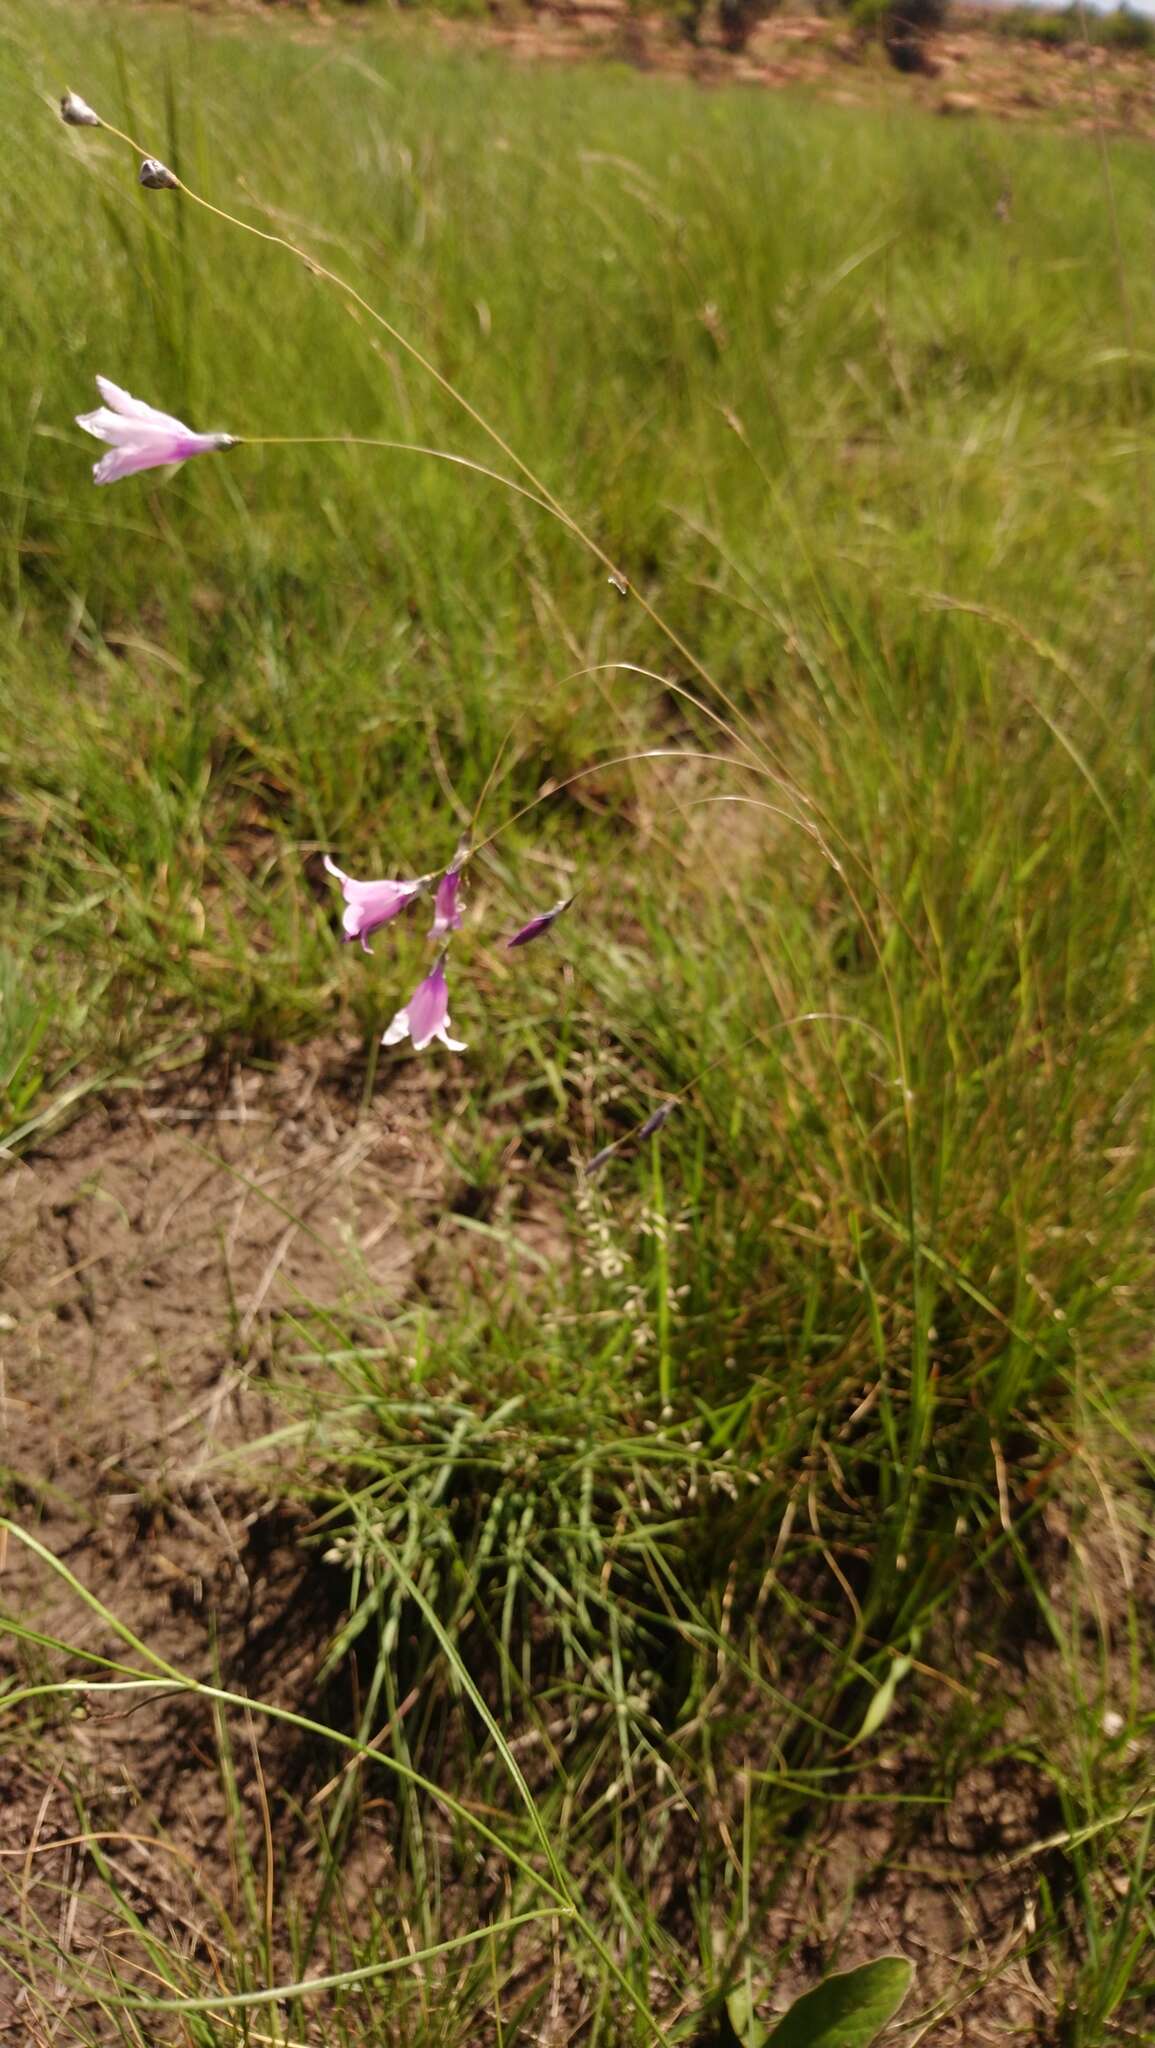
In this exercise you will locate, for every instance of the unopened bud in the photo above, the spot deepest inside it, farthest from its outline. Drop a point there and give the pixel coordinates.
(157, 177)
(657, 1118)
(599, 1159)
(78, 113)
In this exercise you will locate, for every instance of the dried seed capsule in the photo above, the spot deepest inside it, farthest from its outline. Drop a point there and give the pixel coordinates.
(157, 177)
(78, 113)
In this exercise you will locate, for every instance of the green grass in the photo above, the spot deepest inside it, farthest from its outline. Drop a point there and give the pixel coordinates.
(775, 1446)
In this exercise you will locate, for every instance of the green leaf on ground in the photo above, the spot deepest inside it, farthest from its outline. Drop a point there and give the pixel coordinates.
(845, 2011)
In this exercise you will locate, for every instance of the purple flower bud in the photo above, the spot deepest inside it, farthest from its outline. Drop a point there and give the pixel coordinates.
(654, 1122)
(156, 177)
(426, 1015)
(599, 1160)
(657, 1118)
(78, 113)
(537, 925)
(446, 915)
(139, 436)
(369, 904)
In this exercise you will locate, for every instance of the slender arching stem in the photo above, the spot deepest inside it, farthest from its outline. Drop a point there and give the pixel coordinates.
(537, 488)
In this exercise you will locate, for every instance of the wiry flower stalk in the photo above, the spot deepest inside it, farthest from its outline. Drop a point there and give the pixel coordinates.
(171, 181)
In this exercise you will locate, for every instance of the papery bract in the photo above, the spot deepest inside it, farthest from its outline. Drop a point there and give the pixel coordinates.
(139, 436)
(369, 904)
(426, 1015)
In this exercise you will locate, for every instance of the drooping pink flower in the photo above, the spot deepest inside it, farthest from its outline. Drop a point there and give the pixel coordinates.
(139, 436)
(369, 904)
(537, 925)
(446, 915)
(426, 1015)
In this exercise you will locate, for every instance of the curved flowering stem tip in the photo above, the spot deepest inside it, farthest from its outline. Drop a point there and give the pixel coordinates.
(539, 924)
(139, 436)
(370, 904)
(426, 1015)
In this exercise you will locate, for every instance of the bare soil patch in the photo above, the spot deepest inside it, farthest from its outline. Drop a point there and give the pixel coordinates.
(152, 1252)
(155, 1258)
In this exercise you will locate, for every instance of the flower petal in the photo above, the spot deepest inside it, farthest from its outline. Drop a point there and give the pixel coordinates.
(426, 1015)
(130, 408)
(429, 1007)
(127, 461)
(108, 426)
(425, 1032)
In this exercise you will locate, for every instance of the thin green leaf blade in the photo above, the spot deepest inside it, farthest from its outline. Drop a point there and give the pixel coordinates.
(883, 1700)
